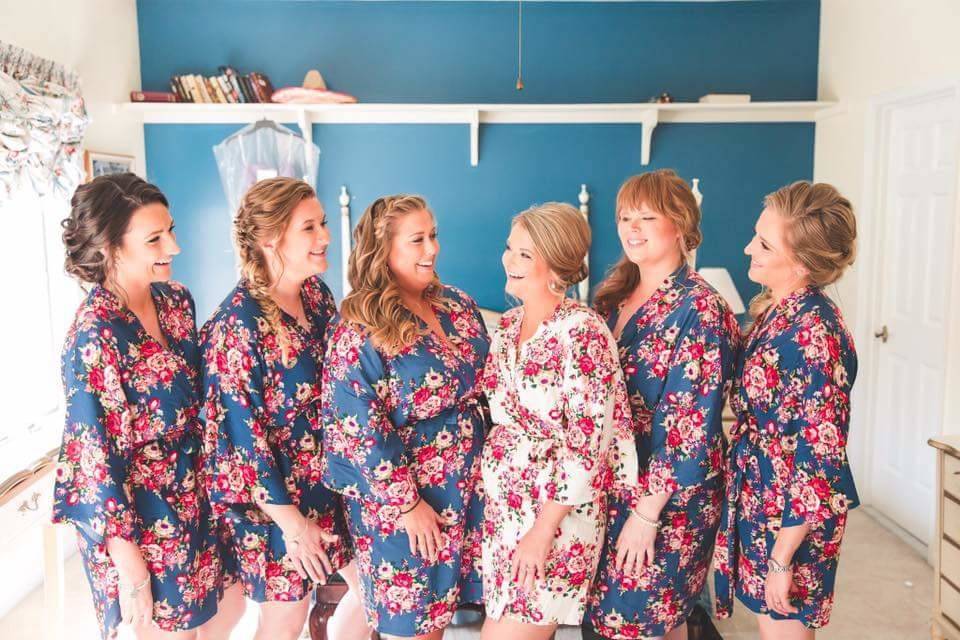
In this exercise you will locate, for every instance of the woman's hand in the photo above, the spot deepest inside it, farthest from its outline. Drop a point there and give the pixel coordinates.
(422, 524)
(136, 595)
(530, 557)
(136, 602)
(776, 592)
(635, 545)
(778, 586)
(307, 551)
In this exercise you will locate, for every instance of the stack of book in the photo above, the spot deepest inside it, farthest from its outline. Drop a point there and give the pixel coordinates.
(227, 88)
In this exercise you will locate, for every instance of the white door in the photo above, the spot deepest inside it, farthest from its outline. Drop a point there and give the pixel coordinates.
(918, 155)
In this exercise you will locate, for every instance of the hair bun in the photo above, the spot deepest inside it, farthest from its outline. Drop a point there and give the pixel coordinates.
(581, 274)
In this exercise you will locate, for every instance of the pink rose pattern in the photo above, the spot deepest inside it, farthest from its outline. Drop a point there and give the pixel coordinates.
(678, 352)
(561, 432)
(130, 463)
(263, 436)
(398, 427)
(788, 461)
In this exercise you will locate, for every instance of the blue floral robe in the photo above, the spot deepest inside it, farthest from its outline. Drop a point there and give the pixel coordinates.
(263, 436)
(677, 352)
(399, 426)
(788, 461)
(130, 464)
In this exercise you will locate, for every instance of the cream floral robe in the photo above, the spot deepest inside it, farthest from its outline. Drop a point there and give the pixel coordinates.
(562, 432)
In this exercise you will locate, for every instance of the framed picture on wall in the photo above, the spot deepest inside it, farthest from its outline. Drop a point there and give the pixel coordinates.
(101, 164)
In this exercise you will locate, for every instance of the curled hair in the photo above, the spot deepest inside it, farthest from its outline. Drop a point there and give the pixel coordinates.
(561, 236)
(263, 216)
(668, 194)
(821, 232)
(374, 300)
(99, 216)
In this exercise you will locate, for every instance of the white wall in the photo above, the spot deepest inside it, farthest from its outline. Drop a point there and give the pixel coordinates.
(99, 40)
(868, 48)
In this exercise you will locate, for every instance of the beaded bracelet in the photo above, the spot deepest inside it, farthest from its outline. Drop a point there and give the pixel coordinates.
(647, 521)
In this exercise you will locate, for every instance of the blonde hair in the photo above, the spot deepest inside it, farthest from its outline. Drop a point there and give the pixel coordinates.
(263, 216)
(561, 236)
(821, 232)
(374, 300)
(668, 194)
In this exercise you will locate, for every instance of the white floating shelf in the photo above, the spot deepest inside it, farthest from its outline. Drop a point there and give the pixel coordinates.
(473, 115)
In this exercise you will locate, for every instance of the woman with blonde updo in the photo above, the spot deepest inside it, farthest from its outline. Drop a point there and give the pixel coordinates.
(404, 425)
(262, 352)
(561, 441)
(789, 484)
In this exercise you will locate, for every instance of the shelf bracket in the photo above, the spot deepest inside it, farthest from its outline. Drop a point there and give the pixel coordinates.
(474, 121)
(649, 118)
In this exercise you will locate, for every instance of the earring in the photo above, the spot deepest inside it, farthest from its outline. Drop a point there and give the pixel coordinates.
(557, 287)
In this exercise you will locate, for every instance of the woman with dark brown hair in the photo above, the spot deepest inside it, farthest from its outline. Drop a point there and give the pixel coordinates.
(677, 341)
(262, 353)
(130, 475)
(404, 425)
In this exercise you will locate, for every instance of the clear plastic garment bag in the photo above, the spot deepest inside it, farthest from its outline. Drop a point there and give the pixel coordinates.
(263, 150)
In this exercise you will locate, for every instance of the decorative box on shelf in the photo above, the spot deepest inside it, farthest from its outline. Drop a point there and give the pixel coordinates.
(647, 114)
(946, 541)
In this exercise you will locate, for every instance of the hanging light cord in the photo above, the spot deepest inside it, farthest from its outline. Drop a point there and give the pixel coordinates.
(520, 45)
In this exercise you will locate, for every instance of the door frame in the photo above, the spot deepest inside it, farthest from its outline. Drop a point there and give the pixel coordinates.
(871, 242)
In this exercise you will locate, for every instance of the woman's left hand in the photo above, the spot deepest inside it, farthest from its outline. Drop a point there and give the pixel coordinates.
(530, 557)
(776, 592)
(635, 546)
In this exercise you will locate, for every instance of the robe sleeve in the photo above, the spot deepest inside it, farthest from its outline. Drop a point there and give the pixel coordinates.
(91, 485)
(241, 464)
(596, 437)
(686, 428)
(365, 455)
(821, 483)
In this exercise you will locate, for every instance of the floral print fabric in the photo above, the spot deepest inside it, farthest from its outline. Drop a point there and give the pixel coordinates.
(788, 461)
(561, 432)
(264, 438)
(678, 352)
(130, 465)
(401, 426)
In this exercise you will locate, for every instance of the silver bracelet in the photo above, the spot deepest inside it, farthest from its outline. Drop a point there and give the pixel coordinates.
(296, 539)
(773, 566)
(647, 521)
(137, 588)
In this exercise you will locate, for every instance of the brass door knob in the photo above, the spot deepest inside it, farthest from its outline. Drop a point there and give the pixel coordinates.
(883, 334)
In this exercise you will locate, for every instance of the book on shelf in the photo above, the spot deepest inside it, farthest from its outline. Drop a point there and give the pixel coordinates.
(726, 98)
(231, 75)
(153, 96)
(263, 87)
(208, 94)
(248, 89)
(195, 89)
(218, 94)
(229, 87)
(178, 89)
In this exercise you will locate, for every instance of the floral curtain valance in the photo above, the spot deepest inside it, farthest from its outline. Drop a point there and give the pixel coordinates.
(42, 122)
